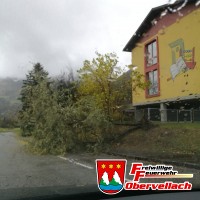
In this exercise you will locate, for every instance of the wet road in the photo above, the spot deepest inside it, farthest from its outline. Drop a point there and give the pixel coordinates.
(20, 169)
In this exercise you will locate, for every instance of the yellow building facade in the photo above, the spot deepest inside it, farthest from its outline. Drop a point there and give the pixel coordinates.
(166, 50)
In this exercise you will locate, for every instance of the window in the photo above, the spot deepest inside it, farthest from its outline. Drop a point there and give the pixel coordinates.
(151, 54)
(152, 68)
(153, 78)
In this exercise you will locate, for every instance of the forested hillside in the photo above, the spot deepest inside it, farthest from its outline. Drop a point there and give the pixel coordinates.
(9, 103)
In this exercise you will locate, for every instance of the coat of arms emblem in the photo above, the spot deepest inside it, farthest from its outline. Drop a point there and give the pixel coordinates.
(110, 175)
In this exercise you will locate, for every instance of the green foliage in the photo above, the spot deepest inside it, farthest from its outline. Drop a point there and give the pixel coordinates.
(29, 94)
(104, 80)
(56, 119)
(76, 127)
(90, 123)
(138, 81)
(65, 88)
(63, 115)
(96, 77)
(51, 134)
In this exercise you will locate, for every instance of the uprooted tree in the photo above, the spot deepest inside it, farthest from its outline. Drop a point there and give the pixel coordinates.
(67, 114)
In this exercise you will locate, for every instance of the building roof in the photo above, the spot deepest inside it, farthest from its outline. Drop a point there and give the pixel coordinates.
(147, 22)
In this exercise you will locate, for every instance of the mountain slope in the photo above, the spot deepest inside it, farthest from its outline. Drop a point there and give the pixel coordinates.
(9, 94)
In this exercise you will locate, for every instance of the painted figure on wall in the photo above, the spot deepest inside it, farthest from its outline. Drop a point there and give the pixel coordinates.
(182, 59)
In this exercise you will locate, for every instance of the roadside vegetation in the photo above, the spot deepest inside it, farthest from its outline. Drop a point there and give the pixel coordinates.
(16, 130)
(67, 114)
(167, 141)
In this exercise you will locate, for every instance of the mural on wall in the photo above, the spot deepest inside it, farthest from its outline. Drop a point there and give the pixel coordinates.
(182, 59)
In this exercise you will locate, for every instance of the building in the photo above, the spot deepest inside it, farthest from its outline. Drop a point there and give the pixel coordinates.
(166, 50)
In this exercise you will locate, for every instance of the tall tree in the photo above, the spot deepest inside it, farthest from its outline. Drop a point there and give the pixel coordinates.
(65, 88)
(101, 78)
(28, 94)
(96, 77)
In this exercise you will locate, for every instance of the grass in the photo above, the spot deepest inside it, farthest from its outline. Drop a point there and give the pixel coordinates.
(169, 141)
(15, 130)
(181, 125)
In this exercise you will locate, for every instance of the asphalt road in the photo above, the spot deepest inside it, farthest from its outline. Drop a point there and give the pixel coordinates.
(20, 169)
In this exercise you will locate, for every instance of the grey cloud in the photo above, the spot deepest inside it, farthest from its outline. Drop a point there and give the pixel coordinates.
(62, 33)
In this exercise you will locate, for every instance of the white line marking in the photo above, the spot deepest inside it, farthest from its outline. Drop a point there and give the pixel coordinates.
(76, 163)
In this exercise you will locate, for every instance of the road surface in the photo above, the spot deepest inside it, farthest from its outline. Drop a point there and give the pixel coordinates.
(20, 169)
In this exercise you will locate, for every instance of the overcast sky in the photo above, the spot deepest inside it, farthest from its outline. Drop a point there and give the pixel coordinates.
(61, 33)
